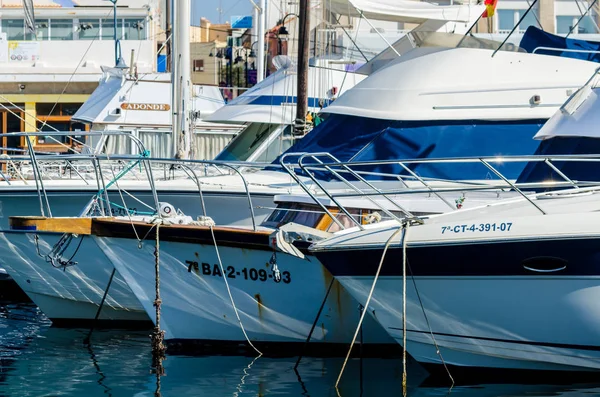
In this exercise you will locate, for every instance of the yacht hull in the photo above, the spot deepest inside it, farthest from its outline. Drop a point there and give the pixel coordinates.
(486, 302)
(72, 297)
(196, 305)
(506, 323)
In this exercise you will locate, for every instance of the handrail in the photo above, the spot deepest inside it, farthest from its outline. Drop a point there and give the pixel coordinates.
(563, 50)
(184, 164)
(38, 176)
(363, 180)
(337, 175)
(38, 185)
(222, 164)
(307, 190)
(414, 175)
(337, 168)
(495, 171)
(342, 170)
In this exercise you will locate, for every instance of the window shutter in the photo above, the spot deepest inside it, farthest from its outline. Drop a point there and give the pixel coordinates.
(198, 65)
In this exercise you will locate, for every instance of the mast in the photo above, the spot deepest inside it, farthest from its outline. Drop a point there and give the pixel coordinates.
(303, 47)
(260, 56)
(181, 79)
(116, 40)
(168, 32)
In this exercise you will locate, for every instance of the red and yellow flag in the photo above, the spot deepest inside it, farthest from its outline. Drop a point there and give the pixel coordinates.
(490, 8)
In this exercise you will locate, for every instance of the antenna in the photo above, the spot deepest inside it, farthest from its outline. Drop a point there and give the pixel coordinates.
(220, 10)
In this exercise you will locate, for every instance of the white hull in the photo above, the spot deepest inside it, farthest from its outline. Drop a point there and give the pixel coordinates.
(73, 294)
(196, 305)
(76, 293)
(492, 321)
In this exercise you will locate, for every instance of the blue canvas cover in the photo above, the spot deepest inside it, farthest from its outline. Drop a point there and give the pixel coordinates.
(580, 171)
(534, 38)
(352, 138)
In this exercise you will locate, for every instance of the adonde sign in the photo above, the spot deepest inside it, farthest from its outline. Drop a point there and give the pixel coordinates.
(145, 106)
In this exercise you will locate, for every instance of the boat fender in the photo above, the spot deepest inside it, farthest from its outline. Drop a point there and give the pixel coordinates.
(204, 221)
(274, 267)
(374, 217)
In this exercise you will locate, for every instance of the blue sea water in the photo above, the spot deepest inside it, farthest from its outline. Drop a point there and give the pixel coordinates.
(39, 360)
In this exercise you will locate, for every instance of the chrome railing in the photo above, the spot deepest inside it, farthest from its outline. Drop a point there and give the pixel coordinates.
(307, 166)
(106, 170)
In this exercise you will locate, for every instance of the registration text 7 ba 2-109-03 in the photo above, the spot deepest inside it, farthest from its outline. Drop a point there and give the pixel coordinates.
(244, 273)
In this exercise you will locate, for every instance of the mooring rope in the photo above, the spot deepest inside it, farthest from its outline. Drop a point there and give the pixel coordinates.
(158, 336)
(437, 348)
(362, 316)
(404, 375)
(229, 292)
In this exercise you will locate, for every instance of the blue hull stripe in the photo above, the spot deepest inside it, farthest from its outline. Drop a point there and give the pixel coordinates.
(551, 257)
(277, 100)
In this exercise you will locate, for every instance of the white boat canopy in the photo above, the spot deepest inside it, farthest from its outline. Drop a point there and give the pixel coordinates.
(578, 117)
(404, 10)
(120, 100)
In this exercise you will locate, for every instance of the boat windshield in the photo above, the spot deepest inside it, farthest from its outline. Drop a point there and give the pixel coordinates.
(312, 215)
(258, 142)
(428, 39)
(303, 214)
(451, 40)
(279, 142)
(244, 145)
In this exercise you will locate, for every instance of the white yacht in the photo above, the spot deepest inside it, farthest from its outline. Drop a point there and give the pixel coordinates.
(509, 285)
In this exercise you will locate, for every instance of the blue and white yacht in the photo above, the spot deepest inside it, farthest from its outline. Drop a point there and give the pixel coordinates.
(509, 285)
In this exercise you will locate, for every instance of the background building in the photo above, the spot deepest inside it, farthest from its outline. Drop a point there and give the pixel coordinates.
(45, 77)
(207, 52)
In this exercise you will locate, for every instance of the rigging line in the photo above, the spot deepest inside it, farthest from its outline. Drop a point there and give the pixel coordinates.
(583, 14)
(124, 205)
(536, 17)
(514, 27)
(232, 7)
(366, 306)
(229, 292)
(359, 50)
(137, 199)
(404, 375)
(437, 348)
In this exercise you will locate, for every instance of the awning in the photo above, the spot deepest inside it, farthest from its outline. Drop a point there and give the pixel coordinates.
(404, 10)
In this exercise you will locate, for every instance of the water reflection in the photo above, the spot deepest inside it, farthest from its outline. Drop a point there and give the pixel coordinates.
(38, 360)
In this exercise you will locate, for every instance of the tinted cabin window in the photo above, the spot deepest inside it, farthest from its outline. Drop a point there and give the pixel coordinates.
(307, 215)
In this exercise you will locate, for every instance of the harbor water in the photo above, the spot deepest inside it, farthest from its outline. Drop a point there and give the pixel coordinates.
(37, 359)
